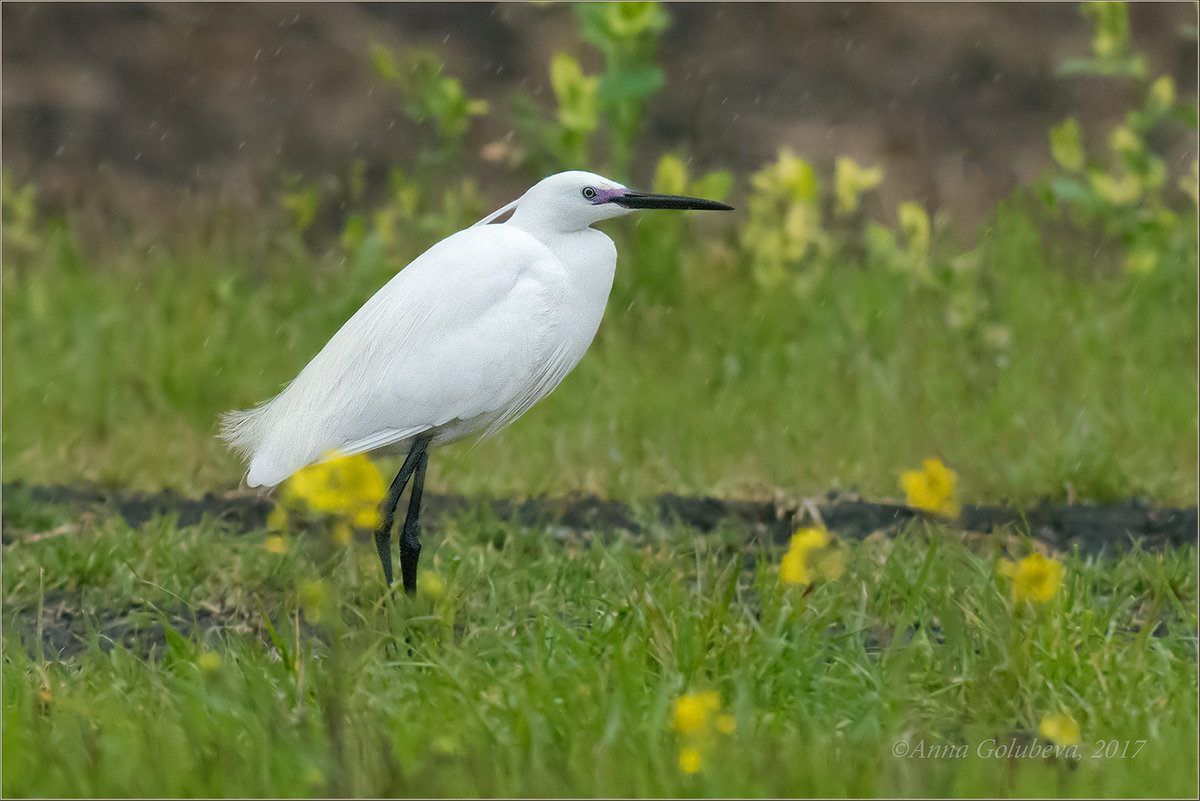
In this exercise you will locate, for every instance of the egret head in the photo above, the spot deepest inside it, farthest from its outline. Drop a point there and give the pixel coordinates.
(573, 200)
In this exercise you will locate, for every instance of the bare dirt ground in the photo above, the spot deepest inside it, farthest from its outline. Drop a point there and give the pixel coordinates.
(145, 113)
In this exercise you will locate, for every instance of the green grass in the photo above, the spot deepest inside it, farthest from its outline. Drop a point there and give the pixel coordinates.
(549, 667)
(1075, 378)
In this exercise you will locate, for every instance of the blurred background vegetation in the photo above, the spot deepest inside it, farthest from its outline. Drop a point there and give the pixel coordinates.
(967, 232)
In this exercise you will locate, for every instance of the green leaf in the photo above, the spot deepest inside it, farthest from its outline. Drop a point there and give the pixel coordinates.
(1066, 145)
(1186, 113)
(636, 82)
(715, 185)
(1070, 190)
(576, 94)
(381, 60)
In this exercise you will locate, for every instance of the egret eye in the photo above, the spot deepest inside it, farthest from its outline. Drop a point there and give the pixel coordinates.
(589, 193)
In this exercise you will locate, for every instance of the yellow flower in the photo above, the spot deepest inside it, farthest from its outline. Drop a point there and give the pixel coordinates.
(695, 717)
(851, 180)
(931, 488)
(1035, 578)
(810, 555)
(689, 760)
(1060, 729)
(691, 711)
(276, 544)
(350, 487)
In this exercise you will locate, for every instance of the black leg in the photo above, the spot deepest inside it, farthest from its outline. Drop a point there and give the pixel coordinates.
(383, 535)
(410, 539)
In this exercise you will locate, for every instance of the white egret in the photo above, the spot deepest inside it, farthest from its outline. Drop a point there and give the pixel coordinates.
(461, 341)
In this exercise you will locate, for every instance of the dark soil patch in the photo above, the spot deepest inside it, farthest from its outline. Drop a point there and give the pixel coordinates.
(1093, 529)
(70, 627)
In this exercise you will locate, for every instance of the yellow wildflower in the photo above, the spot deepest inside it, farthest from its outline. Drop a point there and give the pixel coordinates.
(1061, 729)
(695, 716)
(1035, 578)
(931, 488)
(691, 711)
(350, 487)
(851, 180)
(689, 760)
(209, 661)
(276, 544)
(810, 555)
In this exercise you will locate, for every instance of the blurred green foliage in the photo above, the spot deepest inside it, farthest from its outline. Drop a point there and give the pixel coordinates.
(812, 297)
(20, 216)
(611, 104)
(1111, 44)
(1128, 195)
(430, 97)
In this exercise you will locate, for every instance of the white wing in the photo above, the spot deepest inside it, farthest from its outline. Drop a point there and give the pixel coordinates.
(463, 332)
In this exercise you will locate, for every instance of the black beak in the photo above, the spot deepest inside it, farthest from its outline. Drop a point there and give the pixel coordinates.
(645, 200)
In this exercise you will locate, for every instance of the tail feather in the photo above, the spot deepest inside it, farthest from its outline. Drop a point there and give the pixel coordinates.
(244, 430)
(272, 458)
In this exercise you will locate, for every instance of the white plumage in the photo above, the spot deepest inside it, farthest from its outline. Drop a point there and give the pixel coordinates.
(461, 341)
(464, 339)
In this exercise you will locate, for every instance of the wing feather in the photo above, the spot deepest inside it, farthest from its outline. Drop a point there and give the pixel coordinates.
(462, 333)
